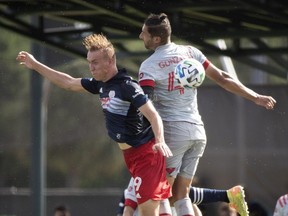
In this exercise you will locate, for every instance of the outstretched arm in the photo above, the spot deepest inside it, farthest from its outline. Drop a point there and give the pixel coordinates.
(58, 78)
(233, 85)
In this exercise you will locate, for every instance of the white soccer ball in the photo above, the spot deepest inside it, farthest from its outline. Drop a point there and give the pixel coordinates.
(189, 73)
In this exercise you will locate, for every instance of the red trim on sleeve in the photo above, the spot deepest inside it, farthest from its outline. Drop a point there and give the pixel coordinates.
(206, 64)
(131, 203)
(147, 83)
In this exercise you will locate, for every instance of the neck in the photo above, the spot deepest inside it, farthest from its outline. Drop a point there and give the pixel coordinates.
(111, 74)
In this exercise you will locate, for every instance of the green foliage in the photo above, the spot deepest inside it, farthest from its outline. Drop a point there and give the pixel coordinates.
(15, 166)
(14, 84)
(14, 112)
(79, 152)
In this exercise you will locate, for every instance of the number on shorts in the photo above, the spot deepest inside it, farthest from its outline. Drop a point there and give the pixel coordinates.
(137, 183)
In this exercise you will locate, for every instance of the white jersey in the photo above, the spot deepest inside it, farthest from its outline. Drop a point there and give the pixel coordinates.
(173, 102)
(281, 208)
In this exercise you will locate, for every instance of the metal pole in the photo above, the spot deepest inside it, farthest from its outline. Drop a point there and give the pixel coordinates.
(38, 139)
(240, 132)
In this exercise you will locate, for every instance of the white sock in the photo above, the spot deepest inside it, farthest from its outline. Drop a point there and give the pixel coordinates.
(184, 207)
(165, 208)
(173, 211)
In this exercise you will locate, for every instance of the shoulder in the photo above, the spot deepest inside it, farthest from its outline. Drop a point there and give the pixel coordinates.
(91, 85)
(147, 68)
(131, 86)
(148, 63)
(131, 91)
(193, 49)
(198, 55)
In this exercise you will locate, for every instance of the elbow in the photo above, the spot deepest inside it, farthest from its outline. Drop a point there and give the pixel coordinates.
(71, 84)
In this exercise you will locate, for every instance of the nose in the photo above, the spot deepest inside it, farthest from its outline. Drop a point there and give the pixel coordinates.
(140, 35)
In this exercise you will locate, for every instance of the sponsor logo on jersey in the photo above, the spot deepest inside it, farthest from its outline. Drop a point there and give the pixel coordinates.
(105, 102)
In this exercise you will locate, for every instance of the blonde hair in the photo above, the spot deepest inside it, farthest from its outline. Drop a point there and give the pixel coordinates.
(96, 42)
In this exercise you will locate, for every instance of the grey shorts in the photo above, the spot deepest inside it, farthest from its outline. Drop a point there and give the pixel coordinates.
(187, 142)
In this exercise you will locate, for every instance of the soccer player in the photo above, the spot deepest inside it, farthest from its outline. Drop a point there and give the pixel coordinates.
(128, 203)
(61, 210)
(124, 105)
(183, 127)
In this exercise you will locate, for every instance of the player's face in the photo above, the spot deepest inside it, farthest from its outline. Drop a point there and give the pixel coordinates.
(147, 39)
(99, 64)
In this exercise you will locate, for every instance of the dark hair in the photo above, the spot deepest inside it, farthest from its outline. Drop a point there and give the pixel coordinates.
(158, 25)
(63, 209)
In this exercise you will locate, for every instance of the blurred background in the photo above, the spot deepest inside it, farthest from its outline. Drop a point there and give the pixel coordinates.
(54, 148)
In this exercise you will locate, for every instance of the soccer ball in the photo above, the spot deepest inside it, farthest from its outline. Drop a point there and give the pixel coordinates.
(189, 73)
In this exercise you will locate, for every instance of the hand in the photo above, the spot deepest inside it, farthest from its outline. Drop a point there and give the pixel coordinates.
(163, 148)
(26, 59)
(266, 101)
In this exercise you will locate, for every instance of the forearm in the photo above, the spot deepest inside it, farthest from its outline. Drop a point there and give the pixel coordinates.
(58, 78)
(157, 127)
(229, 83)
(239, 89)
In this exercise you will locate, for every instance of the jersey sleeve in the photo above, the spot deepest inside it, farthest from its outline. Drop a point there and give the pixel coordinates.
(145, 76)
(198, 55)
(134, 93)
(91, 85)
(149, 91)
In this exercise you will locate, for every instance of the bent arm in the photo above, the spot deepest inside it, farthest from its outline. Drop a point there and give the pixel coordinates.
(226, 81)
(155, 120)
(58, 78)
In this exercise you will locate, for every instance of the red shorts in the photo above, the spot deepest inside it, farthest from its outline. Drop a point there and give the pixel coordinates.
(148, 168)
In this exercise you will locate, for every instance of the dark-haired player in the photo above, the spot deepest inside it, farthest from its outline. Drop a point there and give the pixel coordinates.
(183, 127)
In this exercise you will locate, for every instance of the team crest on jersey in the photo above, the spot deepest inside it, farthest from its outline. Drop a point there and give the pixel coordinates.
(111, 94)
(106, 100)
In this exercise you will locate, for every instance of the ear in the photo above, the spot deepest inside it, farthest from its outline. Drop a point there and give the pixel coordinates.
(157, 40)
(111, 59)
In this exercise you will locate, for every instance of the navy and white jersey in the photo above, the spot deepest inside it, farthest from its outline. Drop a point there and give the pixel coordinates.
(120, 99)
